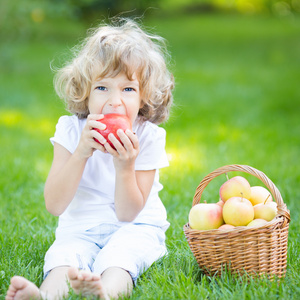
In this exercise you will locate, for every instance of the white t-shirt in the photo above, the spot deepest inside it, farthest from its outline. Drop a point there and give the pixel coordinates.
(93, 203)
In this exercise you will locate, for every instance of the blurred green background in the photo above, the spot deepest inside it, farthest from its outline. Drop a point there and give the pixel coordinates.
(237, 101)
(19, 19)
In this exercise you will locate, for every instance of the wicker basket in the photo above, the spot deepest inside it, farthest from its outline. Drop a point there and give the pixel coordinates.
(256, 251)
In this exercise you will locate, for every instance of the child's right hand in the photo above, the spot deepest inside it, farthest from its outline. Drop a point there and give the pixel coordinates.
(87, 144)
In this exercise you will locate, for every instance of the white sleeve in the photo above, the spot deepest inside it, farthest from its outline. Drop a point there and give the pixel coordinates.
(152, 140)
(67, 133)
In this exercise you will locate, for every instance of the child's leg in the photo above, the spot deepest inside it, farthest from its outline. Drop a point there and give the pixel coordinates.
(117, 281)
(54, 286)
(113, 283)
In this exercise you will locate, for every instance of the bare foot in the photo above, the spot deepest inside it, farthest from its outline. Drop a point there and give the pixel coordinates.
(22, 289)
(86, 283)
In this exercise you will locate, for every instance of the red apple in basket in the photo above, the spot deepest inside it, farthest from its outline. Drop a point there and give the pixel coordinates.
(234, 187)
(238, 211)
(114, 122)
(205, 216)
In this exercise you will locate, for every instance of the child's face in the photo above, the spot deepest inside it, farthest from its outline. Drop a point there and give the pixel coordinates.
(115, 95)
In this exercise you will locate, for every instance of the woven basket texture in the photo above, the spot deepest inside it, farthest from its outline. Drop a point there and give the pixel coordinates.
(251, 250)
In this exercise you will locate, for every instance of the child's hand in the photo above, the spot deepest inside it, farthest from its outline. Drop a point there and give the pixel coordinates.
(87, 144)
(126, 152)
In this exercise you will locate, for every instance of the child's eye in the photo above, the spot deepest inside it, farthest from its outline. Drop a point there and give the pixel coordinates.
(129, 89)
(101, 88)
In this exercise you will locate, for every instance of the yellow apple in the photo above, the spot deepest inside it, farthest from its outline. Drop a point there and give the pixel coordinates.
(226, 227)
(266, 210)
(235, 187)
(257, 222)
(205, 216)
(238, 211)
(259, 194)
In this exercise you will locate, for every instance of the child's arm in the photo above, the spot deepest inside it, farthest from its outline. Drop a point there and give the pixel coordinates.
(63, 179)
(132, 187)
(131, 194)
(67, 168)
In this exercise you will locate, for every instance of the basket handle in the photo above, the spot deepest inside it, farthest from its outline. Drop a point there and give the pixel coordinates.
(281, 206)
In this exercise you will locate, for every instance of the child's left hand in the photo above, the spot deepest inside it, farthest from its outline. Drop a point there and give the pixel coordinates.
(126, 151)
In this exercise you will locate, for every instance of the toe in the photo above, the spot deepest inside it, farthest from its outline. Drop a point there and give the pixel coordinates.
(18, 282)
(87, 276)
(96, 277)
(73, 273)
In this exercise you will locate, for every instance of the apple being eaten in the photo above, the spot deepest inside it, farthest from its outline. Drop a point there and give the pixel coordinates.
(235, 187)
(206, 216)
(113, 123)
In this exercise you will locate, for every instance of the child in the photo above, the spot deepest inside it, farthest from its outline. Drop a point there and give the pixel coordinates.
(112, 222)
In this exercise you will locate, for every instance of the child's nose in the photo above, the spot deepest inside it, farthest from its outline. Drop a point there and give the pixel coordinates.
(115, 99)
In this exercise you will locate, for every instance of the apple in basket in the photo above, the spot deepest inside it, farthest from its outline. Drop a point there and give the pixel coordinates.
(234, 187)
(206, 216)
(226, 227)
(259, 194)
(257, 222)
(114, 122)
(266, 210)
(238, 211)
(221, 203)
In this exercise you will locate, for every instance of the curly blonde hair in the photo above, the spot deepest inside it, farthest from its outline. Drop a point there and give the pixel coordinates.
(110, 49)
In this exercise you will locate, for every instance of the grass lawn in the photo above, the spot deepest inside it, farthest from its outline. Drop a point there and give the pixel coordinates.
(237, 101)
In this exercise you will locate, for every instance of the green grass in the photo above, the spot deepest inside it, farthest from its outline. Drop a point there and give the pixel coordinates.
(236, 102)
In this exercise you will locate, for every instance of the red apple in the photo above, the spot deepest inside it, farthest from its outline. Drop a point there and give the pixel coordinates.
(114, 122)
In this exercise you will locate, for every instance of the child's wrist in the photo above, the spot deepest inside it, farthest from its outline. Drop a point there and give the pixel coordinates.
(79, 157)
(125, 170)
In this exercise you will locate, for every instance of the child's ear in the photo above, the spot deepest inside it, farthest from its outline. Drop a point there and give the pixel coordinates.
(142, 104)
